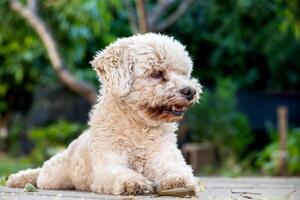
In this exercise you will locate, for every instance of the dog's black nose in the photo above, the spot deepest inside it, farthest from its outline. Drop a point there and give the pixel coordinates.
(188, 93)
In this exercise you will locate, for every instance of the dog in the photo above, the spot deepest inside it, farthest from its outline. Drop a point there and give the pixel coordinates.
(130, 146)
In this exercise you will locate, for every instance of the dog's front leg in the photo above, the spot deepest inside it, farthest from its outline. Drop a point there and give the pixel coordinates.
(167, 168)
(111, 175)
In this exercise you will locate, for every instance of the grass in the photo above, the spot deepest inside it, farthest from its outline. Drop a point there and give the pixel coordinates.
(11, 165)
(2, 180)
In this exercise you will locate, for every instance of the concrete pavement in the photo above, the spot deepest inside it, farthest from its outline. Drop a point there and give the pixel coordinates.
(216, 188)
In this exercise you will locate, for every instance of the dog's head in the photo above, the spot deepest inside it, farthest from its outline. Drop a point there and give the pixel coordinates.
(149, 73)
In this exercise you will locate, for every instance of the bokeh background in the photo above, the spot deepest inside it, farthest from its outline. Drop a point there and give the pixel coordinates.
(246, 54)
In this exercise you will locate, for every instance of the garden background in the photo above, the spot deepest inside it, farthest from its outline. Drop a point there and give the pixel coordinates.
(246, 54)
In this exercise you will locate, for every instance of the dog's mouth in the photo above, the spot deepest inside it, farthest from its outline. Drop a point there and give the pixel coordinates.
(168, 112)
(175, 110)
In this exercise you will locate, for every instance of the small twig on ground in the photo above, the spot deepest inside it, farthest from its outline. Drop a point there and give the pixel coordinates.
(292, 192)
(233, 192)
(247, 197)
(178, 192)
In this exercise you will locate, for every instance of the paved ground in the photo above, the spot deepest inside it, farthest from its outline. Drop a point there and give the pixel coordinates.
(255, 188)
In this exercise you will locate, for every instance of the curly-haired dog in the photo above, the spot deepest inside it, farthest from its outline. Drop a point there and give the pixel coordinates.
(130, 145)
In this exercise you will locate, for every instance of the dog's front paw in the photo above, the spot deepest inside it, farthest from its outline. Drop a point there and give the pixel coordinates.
(133, 186)
(171, 181)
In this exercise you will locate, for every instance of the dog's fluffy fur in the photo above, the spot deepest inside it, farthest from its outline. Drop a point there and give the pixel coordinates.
(130, 145)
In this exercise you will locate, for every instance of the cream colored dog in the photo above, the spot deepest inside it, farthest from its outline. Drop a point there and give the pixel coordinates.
(130, 145)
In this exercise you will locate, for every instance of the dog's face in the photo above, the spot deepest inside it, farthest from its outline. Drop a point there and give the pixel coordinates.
(151, 74)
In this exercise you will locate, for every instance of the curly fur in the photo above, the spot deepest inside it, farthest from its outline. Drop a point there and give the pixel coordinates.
(130, 145)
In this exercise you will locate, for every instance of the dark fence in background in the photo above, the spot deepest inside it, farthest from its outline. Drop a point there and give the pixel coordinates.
(260, 108)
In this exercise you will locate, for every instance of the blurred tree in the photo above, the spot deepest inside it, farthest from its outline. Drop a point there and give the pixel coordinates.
(30, 13)
(256, 43)
(253, 42)
(217, 120)
(155, 17)
(18, 50)
(80, 29)
(292, 12)
(78, 26)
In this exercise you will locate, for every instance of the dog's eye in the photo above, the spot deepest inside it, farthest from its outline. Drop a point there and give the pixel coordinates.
(157, 74)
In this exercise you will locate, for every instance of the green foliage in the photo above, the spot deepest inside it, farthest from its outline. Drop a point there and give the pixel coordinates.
(46, 142)
(217, 120)
(11, 165)
(13, 142)
(80, 28)
(18, 62)
(268, 159)
(53, 138)
(232, 168)
(2, 181)
(291, 12)
(254, 42)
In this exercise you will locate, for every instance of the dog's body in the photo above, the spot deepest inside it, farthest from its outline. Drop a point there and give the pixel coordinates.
(130, 146)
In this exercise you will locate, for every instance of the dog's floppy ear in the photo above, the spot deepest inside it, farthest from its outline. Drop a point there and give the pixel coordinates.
(114, 68)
